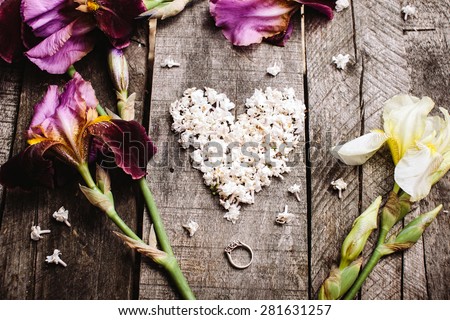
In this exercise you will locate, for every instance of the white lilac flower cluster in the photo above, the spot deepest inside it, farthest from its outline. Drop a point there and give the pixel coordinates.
(238, 156)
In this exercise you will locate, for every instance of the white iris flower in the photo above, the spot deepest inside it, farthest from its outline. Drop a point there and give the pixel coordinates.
(419, 144)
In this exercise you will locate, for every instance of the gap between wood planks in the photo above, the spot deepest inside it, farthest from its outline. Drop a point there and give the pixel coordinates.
(152, 27)
(307, 155)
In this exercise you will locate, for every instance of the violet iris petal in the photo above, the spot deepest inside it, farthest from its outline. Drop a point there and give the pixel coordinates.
(128, 141)
(57, 130)
(246, 22)
(68, 45)
(45, 17)
(67, 32)
(10, 30)
(63, 118)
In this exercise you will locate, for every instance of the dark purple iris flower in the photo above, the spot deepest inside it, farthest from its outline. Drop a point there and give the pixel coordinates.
(63, 128)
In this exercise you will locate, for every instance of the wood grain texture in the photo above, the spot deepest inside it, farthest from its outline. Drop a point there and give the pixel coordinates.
(99, 266)
(334, 117)
(388, 56)
(10, 88)
(429, 69)
(431, 15)
(380, 41)
(279, 270)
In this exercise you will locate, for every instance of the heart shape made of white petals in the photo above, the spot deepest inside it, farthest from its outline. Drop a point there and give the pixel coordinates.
(238, 156)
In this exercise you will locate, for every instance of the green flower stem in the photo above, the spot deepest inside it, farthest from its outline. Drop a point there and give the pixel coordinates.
(169, 263)
(396, 188)
(163, 239)
(112, 214)
(180, 282)
(376, 256)
(101, 111)
(71, 71)
(151, 4)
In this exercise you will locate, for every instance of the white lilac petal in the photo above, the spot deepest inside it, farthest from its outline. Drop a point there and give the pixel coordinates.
(341, 5)
(274, 70)
(295, 189)
(341, 60)
(36, 233)
(62, 215)
(284, 217)
(233, 213)
(409, 11)
(339, 185)
(54, 258)
(191, 227)
(169, 63)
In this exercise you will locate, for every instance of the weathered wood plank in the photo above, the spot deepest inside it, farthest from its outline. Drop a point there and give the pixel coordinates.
(21, 209)
(429, 67)
(279, 270)
(380, 41)
(334, 116)
(99, 266)
(10, 87)
(431, 15)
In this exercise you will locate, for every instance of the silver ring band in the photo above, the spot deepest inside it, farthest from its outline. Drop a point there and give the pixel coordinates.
(234, 245)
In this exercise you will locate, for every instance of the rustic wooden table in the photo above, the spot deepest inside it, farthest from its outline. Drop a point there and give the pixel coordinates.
(389, 56)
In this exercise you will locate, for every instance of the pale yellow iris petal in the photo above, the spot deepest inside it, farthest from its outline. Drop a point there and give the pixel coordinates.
(405, 120)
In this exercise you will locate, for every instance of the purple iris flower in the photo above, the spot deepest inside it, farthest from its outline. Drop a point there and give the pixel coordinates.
(65, 128)
(66, 27)
(245, 22)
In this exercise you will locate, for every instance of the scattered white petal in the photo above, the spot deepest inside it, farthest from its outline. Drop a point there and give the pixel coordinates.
(341, 60)
(169, 63)
(206, 123)
(36, 233)
(191, 227)
(62, 215)
(233, 213)
(284, 217)
(295, 189)
(54, 258)
(341, 5)
(274, 70)
(408, 11)
(339, 185)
